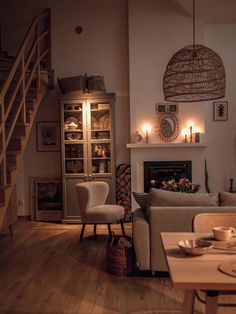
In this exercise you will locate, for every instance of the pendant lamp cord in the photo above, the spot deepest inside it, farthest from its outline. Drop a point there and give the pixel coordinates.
(194, 23)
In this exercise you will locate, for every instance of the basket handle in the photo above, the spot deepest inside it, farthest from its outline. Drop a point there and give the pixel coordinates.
(112, 238)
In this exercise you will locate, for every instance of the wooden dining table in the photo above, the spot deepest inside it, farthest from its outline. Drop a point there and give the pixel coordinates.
(192, 273)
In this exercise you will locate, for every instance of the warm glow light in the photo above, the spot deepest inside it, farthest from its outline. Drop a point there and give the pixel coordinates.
(184, 131)
(197, 130)
(146, 129)
(190, 124)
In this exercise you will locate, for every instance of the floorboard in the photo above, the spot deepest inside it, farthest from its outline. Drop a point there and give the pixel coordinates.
(45, 269)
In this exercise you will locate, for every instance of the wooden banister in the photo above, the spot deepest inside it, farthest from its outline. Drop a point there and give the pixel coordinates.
(35, 48)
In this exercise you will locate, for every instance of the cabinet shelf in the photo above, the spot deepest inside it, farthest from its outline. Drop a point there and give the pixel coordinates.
(73, 130)
(74, 158)
(74, 110)
(71, 142)
(101, 158)
(100, 130)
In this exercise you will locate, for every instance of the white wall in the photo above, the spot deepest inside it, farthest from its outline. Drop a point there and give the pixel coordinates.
(101, 49)
(134, 62)
(156, 32)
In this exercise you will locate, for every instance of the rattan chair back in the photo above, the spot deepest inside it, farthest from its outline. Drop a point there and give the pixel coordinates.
(204, 222)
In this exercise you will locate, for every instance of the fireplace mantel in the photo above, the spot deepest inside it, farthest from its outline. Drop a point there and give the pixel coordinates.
(166, 145)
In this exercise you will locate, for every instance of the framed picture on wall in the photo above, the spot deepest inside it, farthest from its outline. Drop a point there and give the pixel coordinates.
(46, 198)
(220, 110)
(48, 136)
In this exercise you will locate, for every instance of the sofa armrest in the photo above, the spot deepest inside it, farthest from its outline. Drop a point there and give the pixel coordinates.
(141, 238)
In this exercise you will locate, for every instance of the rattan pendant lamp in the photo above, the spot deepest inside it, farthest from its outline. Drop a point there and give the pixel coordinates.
(194, 73)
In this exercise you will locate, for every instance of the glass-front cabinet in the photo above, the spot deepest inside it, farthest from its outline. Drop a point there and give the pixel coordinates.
(87, 146)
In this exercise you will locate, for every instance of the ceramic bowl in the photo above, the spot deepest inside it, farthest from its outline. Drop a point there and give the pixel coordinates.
(195, 247)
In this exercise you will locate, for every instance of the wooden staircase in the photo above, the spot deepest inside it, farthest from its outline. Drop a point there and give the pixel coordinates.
(24, 81)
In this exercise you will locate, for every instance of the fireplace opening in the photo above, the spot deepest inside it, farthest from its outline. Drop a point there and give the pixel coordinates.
(157, 171)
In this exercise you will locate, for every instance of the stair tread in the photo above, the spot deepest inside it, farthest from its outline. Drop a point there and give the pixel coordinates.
(13, 152)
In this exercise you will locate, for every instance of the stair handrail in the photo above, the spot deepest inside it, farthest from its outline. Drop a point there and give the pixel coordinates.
(35, 48)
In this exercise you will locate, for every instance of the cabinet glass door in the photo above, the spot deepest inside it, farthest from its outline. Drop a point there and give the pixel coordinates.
(74, 138)
(100, 137)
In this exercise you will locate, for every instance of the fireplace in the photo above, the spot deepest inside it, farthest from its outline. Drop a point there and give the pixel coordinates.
(157, 171)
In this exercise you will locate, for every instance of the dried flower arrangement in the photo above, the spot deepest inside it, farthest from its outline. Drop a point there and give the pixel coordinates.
(183, 185)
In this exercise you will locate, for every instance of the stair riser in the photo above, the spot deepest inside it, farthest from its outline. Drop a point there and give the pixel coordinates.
(14, 146)
(2, 196)
(11, 161)
(19, 132)
(20, 119)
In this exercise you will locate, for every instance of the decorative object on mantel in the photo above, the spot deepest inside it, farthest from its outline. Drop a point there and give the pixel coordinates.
(183, 185)
(136, 137)
(220, 110)
(206, 177)
(194, 73)
(168, 127)
(231, 186)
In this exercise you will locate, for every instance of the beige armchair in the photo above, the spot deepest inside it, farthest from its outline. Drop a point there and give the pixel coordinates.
(93, 210)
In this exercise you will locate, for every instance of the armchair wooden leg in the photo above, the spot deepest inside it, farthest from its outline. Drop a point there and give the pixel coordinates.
(94, 230)
(109, 230)
(122, 227)
(82, 232)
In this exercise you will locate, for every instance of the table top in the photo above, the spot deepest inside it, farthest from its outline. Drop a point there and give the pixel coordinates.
(196, 272)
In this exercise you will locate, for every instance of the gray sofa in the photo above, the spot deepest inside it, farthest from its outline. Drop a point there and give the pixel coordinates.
(167, 213)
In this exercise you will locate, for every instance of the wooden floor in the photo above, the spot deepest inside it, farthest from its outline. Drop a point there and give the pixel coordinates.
(45, 269)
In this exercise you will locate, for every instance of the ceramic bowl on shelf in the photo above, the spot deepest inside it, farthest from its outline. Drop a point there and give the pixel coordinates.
(195, 247)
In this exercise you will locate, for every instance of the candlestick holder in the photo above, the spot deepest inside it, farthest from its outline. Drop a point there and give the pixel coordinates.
(146, 137)
(191, 134)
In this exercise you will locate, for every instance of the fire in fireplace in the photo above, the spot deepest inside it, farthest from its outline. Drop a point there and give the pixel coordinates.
(157, 171)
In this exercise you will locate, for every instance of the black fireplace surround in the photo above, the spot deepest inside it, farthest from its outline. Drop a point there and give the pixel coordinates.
(157, 171)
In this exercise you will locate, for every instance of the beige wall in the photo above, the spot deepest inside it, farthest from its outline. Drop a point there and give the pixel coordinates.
(101, 49)
(156, 32)
(129, 42)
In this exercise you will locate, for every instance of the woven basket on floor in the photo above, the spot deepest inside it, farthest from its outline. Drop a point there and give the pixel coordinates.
(120, 261)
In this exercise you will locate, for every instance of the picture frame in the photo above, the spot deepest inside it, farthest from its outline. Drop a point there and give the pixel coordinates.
(48, 136)
(220, 110)
(167, 108)
(46, 199)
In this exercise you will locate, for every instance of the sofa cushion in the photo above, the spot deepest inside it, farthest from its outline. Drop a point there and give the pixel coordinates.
(142, 199)
(160, 197)
(227, 198)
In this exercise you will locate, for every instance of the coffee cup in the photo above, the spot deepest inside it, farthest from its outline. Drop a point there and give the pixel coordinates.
(223, 233)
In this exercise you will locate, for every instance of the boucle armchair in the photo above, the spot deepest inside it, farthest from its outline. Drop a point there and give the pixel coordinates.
(93, 210)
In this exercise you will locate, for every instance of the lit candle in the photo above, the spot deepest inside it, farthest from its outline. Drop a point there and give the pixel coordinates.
(191, 134)
(146, 129)
(185, 135)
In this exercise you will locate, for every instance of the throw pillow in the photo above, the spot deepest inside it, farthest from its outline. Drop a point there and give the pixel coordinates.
(142, 199)
(160, 197)
(227, 198)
